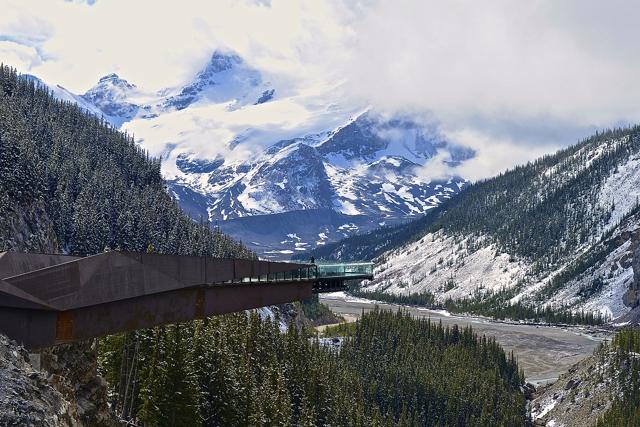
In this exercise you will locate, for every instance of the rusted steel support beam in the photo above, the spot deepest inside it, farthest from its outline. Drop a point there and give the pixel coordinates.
(172, 307)
(31, 328)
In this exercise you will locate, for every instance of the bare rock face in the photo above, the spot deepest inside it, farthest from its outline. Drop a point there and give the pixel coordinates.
(632, 297)
(27, 396)
(29, 228)
(75, 368)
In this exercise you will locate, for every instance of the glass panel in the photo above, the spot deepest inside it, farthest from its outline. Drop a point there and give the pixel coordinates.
(345, 269)
(356, 270)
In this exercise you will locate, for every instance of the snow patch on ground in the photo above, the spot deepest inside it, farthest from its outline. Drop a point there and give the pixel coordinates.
(621, 189)
(267, 313)
(616, 280)
(545, 410)
(445, 266)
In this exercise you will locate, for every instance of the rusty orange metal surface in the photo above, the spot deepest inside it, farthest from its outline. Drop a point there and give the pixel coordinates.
(64, 327)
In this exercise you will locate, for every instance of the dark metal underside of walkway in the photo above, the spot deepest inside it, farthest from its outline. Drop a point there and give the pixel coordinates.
(52, 299)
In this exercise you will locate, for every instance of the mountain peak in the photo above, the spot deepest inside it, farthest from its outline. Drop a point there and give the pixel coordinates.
(225, 78)
(112, 76)
(221, 61)
(115, 80)
(111, 96)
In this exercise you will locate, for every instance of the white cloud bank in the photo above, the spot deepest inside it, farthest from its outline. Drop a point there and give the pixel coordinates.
(510, 79)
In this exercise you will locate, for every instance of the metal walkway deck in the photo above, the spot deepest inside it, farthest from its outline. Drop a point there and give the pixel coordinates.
(51, 299)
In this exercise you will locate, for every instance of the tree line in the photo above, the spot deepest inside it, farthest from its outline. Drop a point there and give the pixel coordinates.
(495, 305)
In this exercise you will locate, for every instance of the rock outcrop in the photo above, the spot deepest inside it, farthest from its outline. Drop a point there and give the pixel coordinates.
(578, 398)
(75, 368)
(27, 229)
(632, 297)
(29, 397)
(65, 391)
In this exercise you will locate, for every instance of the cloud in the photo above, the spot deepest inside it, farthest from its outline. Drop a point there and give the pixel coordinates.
(158, 45)
(18, 55)
(498, 59)
(493, 155)
(512, 80)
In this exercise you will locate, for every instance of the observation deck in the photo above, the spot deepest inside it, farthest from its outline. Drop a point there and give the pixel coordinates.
(51, 299)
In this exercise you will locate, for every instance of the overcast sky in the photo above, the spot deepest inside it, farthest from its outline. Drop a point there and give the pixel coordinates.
(512, 79)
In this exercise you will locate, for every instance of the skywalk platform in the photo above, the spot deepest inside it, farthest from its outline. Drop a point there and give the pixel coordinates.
(51, 299)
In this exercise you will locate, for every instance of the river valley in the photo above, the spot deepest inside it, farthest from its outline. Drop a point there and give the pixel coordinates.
(544, 352)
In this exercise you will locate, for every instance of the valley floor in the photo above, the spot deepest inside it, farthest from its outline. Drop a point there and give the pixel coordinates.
(543, 352)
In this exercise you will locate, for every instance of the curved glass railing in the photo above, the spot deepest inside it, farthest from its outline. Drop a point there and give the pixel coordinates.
(345, 271)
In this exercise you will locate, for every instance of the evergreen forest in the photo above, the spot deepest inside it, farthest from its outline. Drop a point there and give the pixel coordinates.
(625, 367)
(389, 370)
(70, 182)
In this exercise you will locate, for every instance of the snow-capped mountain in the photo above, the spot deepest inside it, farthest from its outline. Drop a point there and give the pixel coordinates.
(112, 96)
(367, 167)
(235, 146)
(225, 79)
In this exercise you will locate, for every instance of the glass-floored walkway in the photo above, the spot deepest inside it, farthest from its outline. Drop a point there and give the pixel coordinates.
(318, 272)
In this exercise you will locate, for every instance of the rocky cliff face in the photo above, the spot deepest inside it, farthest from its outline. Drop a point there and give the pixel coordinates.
(66, 389)
(29, 397)
(75, 368)
(632, 297)
(579, 397)
(27, 229)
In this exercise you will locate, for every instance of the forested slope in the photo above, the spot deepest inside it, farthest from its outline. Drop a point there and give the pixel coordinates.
(69, 182)
(625, 367)
(389, 371)
(559, 230)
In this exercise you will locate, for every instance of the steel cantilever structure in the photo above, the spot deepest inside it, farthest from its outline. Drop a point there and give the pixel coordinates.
(51, 299)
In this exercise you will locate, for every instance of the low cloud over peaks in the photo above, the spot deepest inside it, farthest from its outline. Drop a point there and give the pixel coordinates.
(497, 76)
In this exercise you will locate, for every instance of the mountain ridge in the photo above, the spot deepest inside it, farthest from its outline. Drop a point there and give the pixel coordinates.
(555, 232)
